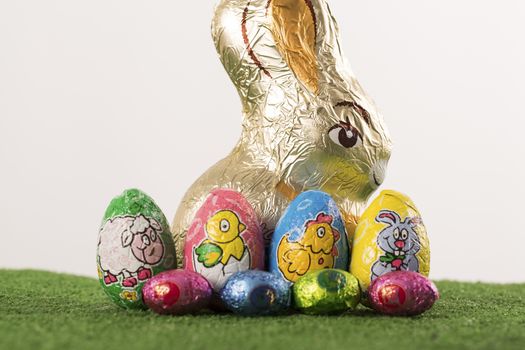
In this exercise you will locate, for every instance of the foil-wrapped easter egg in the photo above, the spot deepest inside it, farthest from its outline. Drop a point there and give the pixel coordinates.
(390, 237)
(225, 237)
(310, 236)
(402, 293)
(256, 293)
(134, 244)
(326, 291)
(177, 292)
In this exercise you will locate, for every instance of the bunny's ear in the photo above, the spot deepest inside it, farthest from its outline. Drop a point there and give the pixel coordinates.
(294, 28)
(388, 217)
(416, 220)
(283, 44)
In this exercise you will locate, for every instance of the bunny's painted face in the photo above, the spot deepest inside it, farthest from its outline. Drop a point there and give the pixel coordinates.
(349, 154)
(399, 238)
(356, 161)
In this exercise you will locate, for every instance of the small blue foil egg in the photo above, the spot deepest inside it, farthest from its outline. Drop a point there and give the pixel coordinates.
(256, 293)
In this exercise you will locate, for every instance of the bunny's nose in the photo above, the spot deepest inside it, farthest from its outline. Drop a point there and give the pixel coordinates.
(378, 172)
(400, 244)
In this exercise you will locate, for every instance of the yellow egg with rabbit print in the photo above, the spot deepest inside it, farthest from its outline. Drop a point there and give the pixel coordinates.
(390, 237)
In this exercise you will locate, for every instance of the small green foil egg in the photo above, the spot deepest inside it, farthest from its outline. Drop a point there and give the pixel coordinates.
(326, 291)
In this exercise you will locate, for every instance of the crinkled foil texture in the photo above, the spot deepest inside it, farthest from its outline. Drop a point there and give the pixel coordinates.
(256, 293)
(402, 293)
(307, 123)
(177, 292)
(326, 291)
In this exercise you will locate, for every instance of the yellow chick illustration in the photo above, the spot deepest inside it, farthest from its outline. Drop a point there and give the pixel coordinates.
(315, 250)
(224, 240)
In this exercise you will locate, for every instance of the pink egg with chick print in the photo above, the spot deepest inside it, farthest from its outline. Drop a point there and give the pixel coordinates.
(224, 238)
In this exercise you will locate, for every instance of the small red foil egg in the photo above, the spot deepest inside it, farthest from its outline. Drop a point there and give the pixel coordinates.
(402, 293)
(177, 292)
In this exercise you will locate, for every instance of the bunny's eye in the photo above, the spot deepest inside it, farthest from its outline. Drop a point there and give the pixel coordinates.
(345, 135)
(396, 233)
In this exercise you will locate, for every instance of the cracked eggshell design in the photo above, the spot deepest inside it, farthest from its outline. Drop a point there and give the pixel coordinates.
(134, 244)
(390, 237)
(224, 238)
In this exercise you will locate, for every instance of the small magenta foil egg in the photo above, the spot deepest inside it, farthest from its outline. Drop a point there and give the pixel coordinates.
(402, 293)
(177, 292)
(256, 293)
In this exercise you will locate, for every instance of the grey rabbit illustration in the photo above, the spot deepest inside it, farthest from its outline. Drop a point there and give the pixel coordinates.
(399, 241)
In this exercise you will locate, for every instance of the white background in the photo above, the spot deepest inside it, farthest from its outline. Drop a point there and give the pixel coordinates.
(98, 96)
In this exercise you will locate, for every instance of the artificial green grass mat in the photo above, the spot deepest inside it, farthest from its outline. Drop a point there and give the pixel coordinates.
(43, 310)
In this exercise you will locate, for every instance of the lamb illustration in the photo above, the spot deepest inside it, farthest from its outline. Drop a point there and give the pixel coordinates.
(399, 241)
(129, 246)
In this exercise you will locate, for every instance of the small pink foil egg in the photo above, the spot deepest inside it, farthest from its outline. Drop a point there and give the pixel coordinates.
(402, 293)
(177, 292)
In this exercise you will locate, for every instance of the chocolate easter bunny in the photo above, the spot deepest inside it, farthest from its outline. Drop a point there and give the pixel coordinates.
(307, 123)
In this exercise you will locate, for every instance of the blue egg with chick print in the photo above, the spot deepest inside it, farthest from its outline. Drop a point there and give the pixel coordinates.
(310, 236)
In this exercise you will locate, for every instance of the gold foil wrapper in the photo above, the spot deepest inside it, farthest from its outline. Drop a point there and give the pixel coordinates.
(307, 123)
